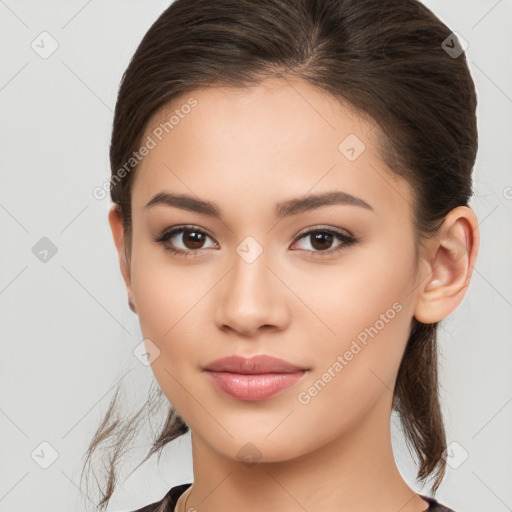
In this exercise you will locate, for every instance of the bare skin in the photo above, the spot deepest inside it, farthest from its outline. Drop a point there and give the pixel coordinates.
(246, 151)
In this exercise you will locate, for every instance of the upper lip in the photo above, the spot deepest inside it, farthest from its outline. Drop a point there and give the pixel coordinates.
(254, 365)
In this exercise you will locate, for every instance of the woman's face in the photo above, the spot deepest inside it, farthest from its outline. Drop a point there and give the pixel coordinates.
(267, 278)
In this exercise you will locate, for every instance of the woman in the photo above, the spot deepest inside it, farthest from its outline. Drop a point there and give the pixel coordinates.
(291, 182)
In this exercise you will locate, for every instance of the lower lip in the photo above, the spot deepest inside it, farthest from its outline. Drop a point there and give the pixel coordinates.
(255, 386)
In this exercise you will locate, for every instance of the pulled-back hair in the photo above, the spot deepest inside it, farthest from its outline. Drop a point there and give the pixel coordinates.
(385, 59)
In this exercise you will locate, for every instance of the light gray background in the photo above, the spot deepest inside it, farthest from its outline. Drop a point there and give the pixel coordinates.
(66, 330)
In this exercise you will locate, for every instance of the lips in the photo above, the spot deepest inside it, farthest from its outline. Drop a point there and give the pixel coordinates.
(254, 365)
(255, 378)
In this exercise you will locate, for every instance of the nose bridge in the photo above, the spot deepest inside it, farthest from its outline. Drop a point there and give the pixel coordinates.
(249, 299)
(250, 275)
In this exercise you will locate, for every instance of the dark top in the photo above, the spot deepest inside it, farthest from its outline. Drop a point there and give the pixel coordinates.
(168, 502)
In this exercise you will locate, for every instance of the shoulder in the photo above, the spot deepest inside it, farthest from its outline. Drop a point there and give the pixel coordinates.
(168, 502)
(435, 506)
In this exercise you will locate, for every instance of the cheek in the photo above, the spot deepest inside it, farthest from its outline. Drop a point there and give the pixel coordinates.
(169, 309)
(368, 312)
(172, 301)
(363, 308)
(167, 292)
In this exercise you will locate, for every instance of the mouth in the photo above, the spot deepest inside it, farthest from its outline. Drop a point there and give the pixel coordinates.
(253, 379)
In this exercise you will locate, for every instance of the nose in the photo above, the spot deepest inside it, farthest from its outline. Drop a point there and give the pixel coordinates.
(252, 298)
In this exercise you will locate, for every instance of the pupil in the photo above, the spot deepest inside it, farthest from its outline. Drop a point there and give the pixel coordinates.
(322, 237)
(195, 239)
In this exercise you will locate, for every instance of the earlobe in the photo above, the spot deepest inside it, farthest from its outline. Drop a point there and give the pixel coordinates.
(116, 225)
(451, 258)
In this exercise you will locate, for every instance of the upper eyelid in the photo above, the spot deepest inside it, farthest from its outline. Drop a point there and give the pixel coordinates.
(339, 231)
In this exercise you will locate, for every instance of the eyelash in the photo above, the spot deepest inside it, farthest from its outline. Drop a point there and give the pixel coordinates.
(167, 234)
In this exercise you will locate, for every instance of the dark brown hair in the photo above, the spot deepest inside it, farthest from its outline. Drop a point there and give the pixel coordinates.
(385, 59)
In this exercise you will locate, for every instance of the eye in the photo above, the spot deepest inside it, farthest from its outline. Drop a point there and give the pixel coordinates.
(193, 239)
(323, 238)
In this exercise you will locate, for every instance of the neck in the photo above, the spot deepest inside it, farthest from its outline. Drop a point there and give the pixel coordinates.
(353, 473)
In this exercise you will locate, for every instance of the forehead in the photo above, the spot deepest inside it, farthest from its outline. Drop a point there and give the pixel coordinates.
(277, 106)
(277, 139)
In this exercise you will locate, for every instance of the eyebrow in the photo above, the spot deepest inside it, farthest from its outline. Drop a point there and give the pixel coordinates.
(283, 209)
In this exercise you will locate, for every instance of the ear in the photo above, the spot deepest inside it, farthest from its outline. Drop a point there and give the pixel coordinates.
(449, 261)
(116, 225)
